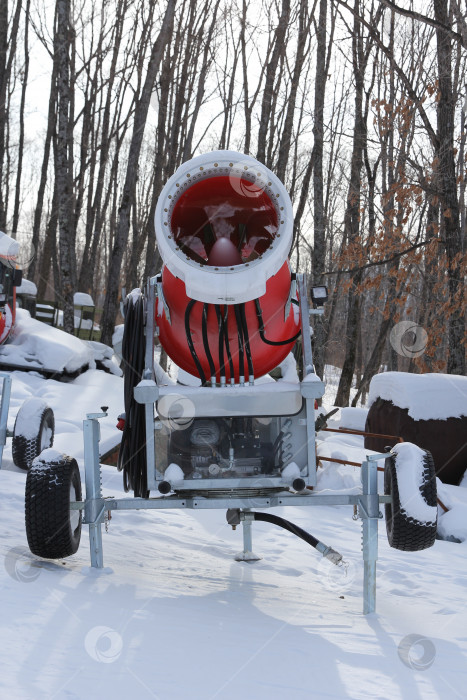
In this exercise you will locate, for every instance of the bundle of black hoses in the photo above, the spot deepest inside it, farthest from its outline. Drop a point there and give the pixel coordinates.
(132, 453)
(242, 335)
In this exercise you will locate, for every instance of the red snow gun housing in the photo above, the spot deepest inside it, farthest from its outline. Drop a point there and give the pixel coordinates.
(10, 278)
(224, 230)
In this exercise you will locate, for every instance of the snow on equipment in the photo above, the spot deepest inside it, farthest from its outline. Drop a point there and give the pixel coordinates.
(10, 278)
(34, 427)
(228, 309)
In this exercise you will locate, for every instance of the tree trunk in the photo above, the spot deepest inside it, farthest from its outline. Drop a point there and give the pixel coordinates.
(21, 124)
(319, 244)
(448, 194)
(64, 163)
(121, 237)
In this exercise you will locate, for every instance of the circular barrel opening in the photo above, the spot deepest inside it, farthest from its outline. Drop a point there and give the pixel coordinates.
(224, 221)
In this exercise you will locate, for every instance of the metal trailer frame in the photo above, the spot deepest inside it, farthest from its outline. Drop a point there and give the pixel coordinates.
(250, 401)
(4, 408)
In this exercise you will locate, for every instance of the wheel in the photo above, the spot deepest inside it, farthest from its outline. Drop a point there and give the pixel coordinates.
(33, 431)
(52, 529)
(405, 530)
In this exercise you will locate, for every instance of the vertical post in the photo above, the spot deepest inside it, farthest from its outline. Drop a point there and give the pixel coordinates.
(369, 510)
(4, 407)
(149, 324)
(94, 504)
(305, 323)
(247, 536)
(149, 374)
(247, 555)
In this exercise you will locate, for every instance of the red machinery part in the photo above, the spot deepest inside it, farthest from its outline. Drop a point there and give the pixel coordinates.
(7, 321)
(224, 228)
(265, 357)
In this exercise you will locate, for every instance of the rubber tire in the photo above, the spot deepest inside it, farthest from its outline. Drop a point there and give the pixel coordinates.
(404, 532)
(47, 508)
(25, 450)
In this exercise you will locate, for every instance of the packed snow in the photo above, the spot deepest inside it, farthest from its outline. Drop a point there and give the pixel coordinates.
(427, 396)
(173, 615)
(353, 418)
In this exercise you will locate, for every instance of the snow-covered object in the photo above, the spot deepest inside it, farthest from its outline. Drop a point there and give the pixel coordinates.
(104, 355)
(289, 369)
(426, 396)
(36, 345)
(27, 287)
(117, 339)
(9, 248)
(47, 456)
(290, 473)
(82, 299)
(185, 378)
(353, 418)
(409, 460)
(29, 417)
(174, 474)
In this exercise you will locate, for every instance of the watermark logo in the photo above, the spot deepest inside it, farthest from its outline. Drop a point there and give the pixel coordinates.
(248, 179)
(408, 339)
(337, 579)
(416, 652)
(20, 565)
(17, 254)
(103, 644)
(176, 412)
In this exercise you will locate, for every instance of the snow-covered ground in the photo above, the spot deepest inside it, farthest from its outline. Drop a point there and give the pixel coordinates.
(173, 616)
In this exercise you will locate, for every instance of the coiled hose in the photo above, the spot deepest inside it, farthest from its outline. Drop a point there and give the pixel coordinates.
(132, 453)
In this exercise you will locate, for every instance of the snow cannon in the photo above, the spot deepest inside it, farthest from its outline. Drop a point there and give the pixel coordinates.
(10, 278)
(224, 229)
(227, 308)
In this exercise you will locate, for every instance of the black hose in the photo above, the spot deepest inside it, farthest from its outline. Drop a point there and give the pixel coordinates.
(227, 343)
(189, 340)
(287, 525)
(259, 315)
(247, 341)
(220, 322)
(132, 452)
(241, 361)
(207, 349)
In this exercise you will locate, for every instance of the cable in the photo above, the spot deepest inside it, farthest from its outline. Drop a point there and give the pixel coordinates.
(207, 349)
(259, 315)
(189, 340)
(220, 322)
(132, 452)
(247, 342)
(227, 344)
(241, 361)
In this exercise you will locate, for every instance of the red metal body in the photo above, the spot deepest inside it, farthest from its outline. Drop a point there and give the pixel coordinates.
(265, 357)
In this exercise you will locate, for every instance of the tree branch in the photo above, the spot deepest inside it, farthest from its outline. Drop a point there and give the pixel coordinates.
(423, 18)
(382, 262)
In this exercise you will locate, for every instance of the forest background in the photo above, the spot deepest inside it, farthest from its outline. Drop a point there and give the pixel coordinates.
(358, 106)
